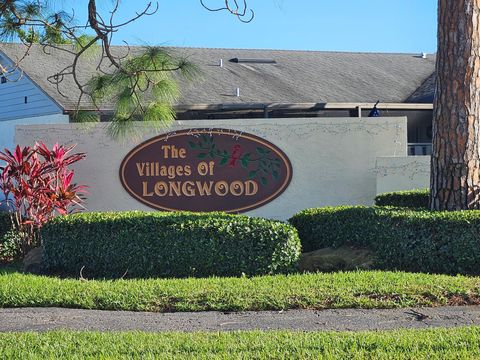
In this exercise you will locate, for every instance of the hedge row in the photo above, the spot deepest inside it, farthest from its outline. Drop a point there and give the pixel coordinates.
(408, 199)
(168, 245)
(402, 239)
(336, 226)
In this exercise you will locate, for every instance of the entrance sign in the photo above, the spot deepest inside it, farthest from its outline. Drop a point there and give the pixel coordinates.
(206, 170)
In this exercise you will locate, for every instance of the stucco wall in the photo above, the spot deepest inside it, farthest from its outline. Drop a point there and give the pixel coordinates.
(402, 173)
(333, 159)
(7, 128)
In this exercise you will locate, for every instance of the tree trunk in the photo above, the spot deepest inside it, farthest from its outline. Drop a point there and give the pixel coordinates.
(455, 172)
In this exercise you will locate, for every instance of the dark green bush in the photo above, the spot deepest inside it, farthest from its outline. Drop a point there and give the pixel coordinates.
(335, 226)
(168, 245)
(415, 199)
(402, 239)
(5, 222)
(8, 246)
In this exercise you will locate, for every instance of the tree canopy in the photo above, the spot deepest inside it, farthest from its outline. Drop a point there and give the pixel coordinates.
(141, 85)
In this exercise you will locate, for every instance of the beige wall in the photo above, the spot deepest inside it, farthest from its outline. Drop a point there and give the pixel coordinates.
(333, 159)
(7, 127)
(402, 173)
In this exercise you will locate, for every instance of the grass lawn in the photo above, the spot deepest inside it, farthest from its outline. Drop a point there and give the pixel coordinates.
(366, 289)
(459, 343)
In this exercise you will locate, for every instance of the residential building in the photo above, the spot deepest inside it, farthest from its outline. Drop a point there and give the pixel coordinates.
(239, 83)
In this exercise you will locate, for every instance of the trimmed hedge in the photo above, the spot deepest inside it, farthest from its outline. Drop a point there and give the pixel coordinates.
(335, 226)
(402, 239)
(168, 245)
(415, 199)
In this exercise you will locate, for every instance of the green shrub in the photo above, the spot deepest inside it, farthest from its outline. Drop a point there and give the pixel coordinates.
(8, 239)
(336, 226)
(168, 245)
(408, 199)
(402, 239)
(5, 222)
(10, 243)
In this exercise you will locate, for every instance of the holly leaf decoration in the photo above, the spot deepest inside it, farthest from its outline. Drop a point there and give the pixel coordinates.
(252, 174)
(264, 180)
(192, 145)
(202, 155)
(275, 174)
(223, 161)
(245, 160)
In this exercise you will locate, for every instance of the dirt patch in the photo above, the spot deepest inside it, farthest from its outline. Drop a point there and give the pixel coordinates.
(341, 259)
(463, 300)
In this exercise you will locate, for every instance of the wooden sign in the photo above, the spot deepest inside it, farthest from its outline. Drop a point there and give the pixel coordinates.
(206, 170)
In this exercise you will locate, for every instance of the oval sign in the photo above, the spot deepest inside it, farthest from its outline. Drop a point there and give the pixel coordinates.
(206, 170)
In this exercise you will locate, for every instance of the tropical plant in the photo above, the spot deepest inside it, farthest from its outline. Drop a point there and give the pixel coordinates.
(37, 184)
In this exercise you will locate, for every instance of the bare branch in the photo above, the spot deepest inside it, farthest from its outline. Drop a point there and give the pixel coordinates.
(233, 7)
(143, 76)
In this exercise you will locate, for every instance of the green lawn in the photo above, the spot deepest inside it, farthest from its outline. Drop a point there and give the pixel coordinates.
(368, 289)
(460, 343)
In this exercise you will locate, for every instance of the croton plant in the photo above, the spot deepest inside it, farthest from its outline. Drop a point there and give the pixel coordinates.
(37, 184)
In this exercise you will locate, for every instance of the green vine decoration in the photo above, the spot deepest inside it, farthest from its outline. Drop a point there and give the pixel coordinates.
(264, 164)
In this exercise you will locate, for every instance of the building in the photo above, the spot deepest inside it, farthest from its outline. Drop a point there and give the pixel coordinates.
(309, 108)
(243, 84)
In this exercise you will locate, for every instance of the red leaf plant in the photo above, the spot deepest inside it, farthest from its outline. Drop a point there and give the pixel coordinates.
(37, 186)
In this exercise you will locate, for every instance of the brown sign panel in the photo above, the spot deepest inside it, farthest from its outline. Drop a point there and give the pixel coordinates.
(206, 170)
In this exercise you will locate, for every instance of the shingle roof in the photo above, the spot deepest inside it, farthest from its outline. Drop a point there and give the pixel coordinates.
(425, 93)
(297, 76)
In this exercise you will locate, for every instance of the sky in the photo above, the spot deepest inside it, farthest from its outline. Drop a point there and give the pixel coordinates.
(406, 26)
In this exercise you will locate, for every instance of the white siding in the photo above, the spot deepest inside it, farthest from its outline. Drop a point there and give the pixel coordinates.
(14, 93)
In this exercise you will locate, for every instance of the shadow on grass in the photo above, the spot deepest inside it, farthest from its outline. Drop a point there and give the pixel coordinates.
(10, 268)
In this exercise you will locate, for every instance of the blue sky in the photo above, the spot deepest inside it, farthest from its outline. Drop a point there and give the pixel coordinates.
(334, 25)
